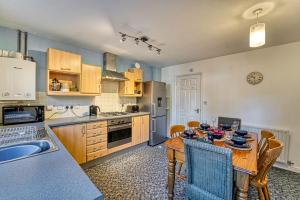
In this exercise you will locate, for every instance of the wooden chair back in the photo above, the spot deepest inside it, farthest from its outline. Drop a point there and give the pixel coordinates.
(175, 130)
(193, 124)
(263, 143)
(268, 158)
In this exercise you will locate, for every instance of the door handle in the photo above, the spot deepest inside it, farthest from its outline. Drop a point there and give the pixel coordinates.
(153, 125)
(197, 110)
(154, 109)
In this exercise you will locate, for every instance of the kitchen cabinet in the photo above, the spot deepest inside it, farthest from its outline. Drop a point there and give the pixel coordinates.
(96, 140)
(140, 129)
(137, 74)
(145, 128)
(17, 79)
(131, 87)
(90, 79)
(73, 138)
(64, 61)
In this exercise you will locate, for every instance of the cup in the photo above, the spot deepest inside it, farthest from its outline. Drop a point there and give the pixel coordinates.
(11, 54)
(0, 52)
(18, 55)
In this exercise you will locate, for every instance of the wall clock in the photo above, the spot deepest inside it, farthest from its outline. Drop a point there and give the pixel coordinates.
(255, 78)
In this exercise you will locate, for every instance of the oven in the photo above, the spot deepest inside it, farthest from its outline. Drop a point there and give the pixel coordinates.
(119, 132)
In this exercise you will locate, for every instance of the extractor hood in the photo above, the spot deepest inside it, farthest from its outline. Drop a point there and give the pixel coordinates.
(110, 68)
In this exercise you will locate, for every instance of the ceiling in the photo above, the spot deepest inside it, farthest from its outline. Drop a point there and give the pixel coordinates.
(185, 30)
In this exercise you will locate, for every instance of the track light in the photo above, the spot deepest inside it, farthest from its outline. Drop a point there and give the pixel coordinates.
(158, 51)
(123, 39)
(137, 41)
(143, 39)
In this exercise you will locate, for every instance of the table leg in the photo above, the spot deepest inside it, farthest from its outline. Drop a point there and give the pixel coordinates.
(171, 173)
(242, 184)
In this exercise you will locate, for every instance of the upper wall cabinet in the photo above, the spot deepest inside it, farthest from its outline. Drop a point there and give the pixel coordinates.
(17, 79)
(133, 87)
(91, 79)
(64, 61)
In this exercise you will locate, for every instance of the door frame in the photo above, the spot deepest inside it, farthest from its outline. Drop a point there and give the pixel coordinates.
(201, 89)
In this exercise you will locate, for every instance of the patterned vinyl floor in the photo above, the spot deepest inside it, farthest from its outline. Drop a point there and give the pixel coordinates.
(141, 174)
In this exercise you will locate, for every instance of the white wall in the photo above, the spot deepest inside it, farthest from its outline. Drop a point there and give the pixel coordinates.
(274, 103)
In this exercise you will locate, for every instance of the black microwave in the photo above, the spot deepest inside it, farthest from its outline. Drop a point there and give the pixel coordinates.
(22, 114)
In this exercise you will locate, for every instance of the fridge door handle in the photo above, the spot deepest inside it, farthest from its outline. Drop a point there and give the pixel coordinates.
(154, 109)
(153, 125)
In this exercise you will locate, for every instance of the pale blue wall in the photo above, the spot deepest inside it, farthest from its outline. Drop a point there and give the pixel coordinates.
(37, 48)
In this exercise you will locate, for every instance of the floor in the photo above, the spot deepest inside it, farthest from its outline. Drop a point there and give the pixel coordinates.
(140, 173)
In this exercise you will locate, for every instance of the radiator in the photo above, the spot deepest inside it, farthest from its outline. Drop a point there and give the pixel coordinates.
(282, 135)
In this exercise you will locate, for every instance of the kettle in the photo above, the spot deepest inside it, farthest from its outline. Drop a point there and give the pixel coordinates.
(94, 110)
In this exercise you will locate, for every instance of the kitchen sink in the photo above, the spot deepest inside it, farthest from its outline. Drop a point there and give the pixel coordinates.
(14, 147)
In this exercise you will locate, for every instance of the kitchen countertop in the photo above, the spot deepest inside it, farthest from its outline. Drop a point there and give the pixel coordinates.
(77, 120)
(54, 175)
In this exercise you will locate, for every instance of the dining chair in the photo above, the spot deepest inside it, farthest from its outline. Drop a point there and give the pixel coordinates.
(263, 142)
(264, 164)
(193, 124)
(209, 171)
(175, 131)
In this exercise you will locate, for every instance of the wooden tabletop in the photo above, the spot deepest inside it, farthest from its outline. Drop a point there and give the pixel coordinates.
(245, 161)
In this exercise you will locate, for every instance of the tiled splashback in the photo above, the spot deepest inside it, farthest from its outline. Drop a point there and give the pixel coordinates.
(109, 101)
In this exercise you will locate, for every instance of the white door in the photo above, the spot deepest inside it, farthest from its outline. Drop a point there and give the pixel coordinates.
(188, 101)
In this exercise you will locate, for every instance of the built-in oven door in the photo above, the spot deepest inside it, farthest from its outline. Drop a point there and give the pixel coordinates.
(119, 135)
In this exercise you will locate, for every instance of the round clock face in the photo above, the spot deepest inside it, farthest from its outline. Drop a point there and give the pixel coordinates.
(254, 78)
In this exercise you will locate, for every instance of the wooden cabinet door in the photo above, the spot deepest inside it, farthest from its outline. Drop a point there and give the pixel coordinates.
(90, 79)
(136, 130)
(73, 138)
(145, 128)
(63, 61)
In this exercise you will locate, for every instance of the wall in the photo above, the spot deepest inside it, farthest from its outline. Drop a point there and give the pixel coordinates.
(37, 48)
(274, 103)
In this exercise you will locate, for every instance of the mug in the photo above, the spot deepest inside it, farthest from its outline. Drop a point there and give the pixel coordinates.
(11, 54)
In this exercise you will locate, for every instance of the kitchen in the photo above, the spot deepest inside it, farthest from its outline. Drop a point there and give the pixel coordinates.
(102, 118)
(131, 100)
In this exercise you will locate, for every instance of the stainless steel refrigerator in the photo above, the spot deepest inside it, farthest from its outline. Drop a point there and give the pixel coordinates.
(154, 101)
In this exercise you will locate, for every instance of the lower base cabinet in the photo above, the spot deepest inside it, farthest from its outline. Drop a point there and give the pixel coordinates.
(88, 141)
(140, 129)
(73, 138)
(85, 142)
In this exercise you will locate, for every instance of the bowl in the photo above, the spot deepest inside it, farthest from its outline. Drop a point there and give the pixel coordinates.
(189, 133)
(217, 134)
(205, 126)
(225, 126)
(238, 140)
(241, 132)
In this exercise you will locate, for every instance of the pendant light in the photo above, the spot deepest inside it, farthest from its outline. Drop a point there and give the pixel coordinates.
(257, 31)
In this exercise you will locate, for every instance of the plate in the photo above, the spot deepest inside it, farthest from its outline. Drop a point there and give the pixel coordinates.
(248, 137)
(244, 147)
(193, 137)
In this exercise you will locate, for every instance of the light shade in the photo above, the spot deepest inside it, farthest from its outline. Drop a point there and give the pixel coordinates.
(257, 35)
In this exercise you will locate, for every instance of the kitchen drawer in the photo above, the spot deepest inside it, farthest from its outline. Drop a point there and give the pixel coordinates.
(95, 132)
(96, 147)
(97, 154)
(95, 125)
(96, 139)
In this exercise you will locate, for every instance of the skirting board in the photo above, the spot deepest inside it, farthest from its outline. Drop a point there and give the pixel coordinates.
(287, 167)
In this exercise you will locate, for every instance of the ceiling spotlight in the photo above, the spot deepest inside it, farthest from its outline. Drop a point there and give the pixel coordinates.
(123, 39)
(158, 51)
(137, 41)
(150, 47)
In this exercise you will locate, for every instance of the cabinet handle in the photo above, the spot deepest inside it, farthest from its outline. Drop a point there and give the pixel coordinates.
(82, 131)
(63, 68)
(18, 67)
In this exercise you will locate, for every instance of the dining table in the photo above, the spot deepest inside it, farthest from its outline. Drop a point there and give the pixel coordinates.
(244, 162)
